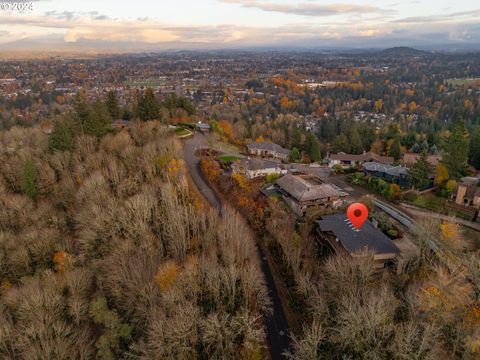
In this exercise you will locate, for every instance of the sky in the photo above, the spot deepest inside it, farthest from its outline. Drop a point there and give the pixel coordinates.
(143, 25)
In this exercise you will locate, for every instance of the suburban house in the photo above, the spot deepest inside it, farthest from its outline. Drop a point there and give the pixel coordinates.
(339, 234)
(203, 127)
(409, 159)
(353, 160)
(466, 197)
(254, 167)
(394, 174)
(306, 193)
(268, 149)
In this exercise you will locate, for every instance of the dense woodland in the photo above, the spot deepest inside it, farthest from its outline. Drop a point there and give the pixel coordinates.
(106, 253)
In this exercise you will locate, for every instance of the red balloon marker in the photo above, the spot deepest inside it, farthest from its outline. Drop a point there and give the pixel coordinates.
(357, 213)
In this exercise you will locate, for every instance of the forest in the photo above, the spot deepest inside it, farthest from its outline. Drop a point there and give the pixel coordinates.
(106, 252)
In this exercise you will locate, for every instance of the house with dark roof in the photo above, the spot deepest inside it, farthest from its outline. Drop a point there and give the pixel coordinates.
(354, 160)
(268, 149)
(255, 167)
(394, 174)
(306, 193)
(338, 233)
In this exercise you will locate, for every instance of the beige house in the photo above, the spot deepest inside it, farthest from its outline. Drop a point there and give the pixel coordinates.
(254, 167)
(305, 193)
(354, 160)
(268, 149)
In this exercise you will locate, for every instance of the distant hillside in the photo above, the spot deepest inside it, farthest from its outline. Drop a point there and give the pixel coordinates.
(403, 51)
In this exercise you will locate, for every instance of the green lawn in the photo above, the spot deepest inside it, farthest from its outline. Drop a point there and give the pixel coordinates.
(228, 158)
(428, 201)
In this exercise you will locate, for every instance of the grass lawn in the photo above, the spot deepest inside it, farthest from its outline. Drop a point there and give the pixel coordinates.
(182, 132)
(428, 201)
(228, 158)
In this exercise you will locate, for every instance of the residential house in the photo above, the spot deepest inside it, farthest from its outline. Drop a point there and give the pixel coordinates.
(307, 193)
(339, 234)
(268, 149)
(466, 197)
(394, 174)
(254, 167)
(203, 127)
(409, 159)
(354, 160)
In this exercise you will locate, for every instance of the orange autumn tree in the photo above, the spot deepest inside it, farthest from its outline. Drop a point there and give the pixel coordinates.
(227, 129)
(167, 274)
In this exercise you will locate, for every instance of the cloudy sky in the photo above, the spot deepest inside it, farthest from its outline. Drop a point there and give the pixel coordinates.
(194, 24)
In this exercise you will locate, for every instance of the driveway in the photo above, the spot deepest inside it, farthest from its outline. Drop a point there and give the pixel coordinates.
(276, 323)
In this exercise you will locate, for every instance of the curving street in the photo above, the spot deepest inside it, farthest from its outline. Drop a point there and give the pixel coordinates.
(276, 324)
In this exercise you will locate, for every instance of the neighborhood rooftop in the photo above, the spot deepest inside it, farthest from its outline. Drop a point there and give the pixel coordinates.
(307, 188)
(268, 146)
(387, 169)
(353, 240)
(368, 156)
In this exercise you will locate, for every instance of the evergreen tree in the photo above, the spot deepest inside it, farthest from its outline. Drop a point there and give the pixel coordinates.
(419, 173)
(456, 150)
(312, 147)
(395, 150)
(98, 122)
(29, 179)
(148, 107)
(113, 106)
(475, 147)
(63, 135)
(356, 146)
(297, 137)
(294, 155)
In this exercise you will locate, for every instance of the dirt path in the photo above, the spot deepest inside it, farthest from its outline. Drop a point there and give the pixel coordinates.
(276, 324)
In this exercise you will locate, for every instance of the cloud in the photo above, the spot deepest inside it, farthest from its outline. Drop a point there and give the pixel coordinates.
(93, 29)
(307, 8)
(456, 16)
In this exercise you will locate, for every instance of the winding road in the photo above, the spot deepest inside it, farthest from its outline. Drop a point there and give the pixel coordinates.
(276, 323)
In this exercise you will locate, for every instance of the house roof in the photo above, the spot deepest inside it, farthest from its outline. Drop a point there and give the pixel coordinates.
(388, 169)
(258, 164)
(268, 146)
(305, 188)
(369, 156)
(368, 237)
(411, 158)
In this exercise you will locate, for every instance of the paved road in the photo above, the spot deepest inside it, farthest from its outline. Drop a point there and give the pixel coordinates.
(276, 324)
(193, 165)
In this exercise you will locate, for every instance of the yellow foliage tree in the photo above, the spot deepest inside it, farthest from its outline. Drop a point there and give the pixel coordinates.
(441, 174)
(167, 274)
(378, 105)
(61, 261)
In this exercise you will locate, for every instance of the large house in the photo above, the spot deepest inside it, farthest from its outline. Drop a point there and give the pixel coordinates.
(354, 160)
(466, 196)
(338, 232)
(390, 173)
(409, 159)
(254, 167)
(306, 193)
(268, 149)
